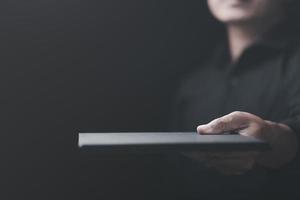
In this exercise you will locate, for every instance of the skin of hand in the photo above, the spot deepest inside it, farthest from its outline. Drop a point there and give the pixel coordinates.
(281, 138)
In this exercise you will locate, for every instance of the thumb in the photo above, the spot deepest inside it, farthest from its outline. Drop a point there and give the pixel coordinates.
(233, 121)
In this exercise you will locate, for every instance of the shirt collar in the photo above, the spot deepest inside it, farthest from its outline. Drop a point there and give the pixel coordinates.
(276, 38)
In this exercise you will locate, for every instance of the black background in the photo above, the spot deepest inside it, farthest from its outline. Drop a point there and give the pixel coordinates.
(87, 65)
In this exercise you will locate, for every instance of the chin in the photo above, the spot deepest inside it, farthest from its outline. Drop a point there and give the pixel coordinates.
(235, 18)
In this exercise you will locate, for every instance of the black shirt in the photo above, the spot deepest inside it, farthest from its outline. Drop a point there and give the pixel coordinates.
(264, 81)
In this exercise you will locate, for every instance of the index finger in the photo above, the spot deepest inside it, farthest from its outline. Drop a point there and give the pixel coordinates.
(231, 122)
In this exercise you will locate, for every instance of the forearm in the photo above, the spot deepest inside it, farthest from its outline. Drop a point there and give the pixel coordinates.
(284, 146)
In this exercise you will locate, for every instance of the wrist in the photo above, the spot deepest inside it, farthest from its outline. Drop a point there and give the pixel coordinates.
(283, 143)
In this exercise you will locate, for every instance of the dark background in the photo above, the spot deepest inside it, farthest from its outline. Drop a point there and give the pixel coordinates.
(87, 65)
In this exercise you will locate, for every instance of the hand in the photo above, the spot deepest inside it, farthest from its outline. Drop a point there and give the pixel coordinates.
(244, 123)
(227, 163)
(281, 138)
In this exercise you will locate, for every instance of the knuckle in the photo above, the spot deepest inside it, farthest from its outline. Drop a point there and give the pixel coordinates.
(228, 119)
(258, 130)
(237, 113)
(257, 127)
(220, 125)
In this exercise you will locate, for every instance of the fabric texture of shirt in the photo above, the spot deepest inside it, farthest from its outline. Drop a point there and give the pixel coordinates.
(264, 81)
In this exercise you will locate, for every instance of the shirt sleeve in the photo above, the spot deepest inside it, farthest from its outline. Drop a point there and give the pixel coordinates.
(287, 178)
(292, 92)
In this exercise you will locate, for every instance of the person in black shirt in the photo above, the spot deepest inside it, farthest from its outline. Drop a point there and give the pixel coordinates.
(251, 86)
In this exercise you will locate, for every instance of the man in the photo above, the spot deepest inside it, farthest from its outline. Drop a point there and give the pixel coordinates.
(250, 86)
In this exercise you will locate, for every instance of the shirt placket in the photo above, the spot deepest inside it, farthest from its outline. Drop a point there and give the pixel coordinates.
(232, 84)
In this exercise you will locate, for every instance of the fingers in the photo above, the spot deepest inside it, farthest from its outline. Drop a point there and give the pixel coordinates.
(245, 124)
(232, 167)
(235, 163)
(233, 121)
(197, 156)
(227, 163)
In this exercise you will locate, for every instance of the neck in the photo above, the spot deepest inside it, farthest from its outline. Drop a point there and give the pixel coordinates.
(239, 39)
